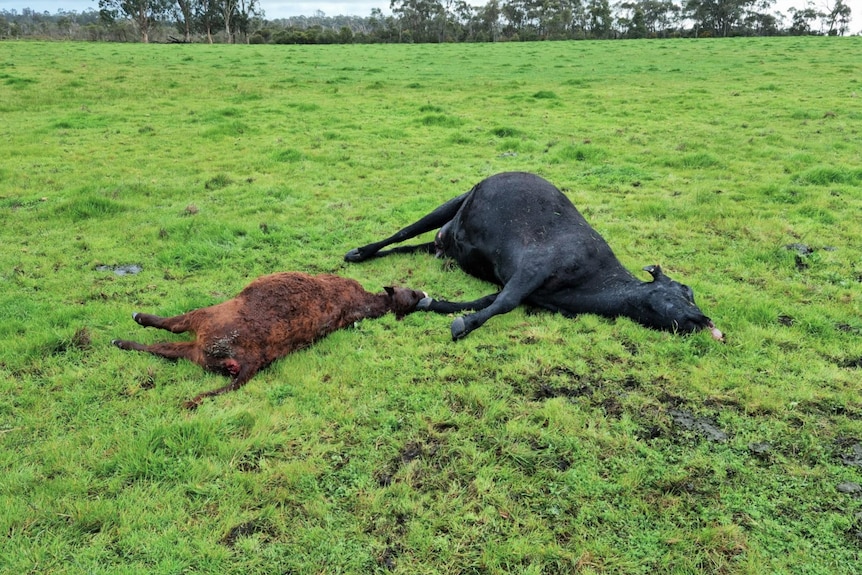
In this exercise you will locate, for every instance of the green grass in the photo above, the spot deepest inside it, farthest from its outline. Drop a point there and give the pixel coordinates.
(539, 444)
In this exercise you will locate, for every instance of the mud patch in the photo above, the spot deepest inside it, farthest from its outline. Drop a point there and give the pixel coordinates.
(849, 488)
(389, 530)
(800, 249)
(854, 363)
(124, 270)
(245, 530)
(761, 450)
(80, 341)
(387, 559)
(412, 450)
(689, 422)
(854, 533)
(847, 328)
(801, 254)
(853, 455)
(545, 391)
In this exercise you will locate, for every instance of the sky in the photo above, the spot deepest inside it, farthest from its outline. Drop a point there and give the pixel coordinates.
(284, 9)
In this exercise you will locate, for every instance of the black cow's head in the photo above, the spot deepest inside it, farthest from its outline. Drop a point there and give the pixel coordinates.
(669, 305)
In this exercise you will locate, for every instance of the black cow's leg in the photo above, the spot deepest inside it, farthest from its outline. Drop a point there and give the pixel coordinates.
(516, 290)
(434, 220)
(440, 306)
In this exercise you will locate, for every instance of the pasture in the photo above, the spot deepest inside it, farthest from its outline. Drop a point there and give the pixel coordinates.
(161, 178)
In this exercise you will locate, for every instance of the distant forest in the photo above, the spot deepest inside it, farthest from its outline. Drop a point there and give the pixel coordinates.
(232, 21)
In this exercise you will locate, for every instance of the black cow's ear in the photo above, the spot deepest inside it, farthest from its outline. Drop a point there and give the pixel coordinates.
(390, 290)
(655, 272)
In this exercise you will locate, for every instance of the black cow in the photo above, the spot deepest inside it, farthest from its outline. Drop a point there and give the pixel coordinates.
(519, 231)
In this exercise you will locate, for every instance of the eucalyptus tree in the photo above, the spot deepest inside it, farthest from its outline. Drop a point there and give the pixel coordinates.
(417, 19)
(661, 17)
(837, 18)
(801, 19)
(208, 17)
(248, 13)
(145, 14)
(758, 21)
(228, 10)
(557, 18)
(489, 20)
(631, 20)
(183, 12)
(600, 18)
(515, 13)
(719, 17)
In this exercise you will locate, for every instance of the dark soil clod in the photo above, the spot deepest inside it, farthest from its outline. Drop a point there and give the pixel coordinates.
(130, 269)
(854, 363)
(854, 457)
(242, 530)
(849, 488)
(690, 422)
(761, 450)
(387, 559)
(545, 391)
(800, 249)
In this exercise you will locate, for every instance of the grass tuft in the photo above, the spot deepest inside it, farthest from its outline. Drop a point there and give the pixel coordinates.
(826, 175)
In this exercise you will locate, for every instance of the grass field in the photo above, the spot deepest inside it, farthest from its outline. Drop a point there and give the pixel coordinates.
(538, 444)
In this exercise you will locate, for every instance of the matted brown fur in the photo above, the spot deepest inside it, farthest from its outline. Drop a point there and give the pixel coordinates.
(272, 317)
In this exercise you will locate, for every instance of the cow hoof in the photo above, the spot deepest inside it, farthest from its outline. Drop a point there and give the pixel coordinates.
(192, 404)
(459, 329)
(353, 255)
(424, 303)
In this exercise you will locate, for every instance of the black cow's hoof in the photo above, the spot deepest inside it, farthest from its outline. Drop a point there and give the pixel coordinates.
(424, 304)
(354, 256)
(459, 329)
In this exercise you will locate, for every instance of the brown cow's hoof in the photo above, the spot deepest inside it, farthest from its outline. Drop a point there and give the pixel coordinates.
(192, 404)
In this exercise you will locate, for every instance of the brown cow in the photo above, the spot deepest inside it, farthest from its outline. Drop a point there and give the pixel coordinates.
(273, 316)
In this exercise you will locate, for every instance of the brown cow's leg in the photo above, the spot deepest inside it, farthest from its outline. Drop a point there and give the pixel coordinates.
(175, 324)
(178, 350)
(246, 372)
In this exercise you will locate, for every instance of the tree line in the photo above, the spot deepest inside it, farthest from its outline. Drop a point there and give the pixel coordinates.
(428, 21)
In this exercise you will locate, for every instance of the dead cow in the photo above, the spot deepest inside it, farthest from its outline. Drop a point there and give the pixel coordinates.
(519, 231)
(273, 316)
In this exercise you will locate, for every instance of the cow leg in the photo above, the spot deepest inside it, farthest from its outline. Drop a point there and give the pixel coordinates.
(428, 247)
(440, 306)
(516, 290)
(436, 219)
(178, 350)
(175, 324)
(245, 373)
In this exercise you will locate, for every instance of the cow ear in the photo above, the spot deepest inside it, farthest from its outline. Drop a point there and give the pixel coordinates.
(655, 272)
(389, 290)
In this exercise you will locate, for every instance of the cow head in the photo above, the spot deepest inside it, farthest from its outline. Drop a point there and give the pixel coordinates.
(403, 301)
(669, 305)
